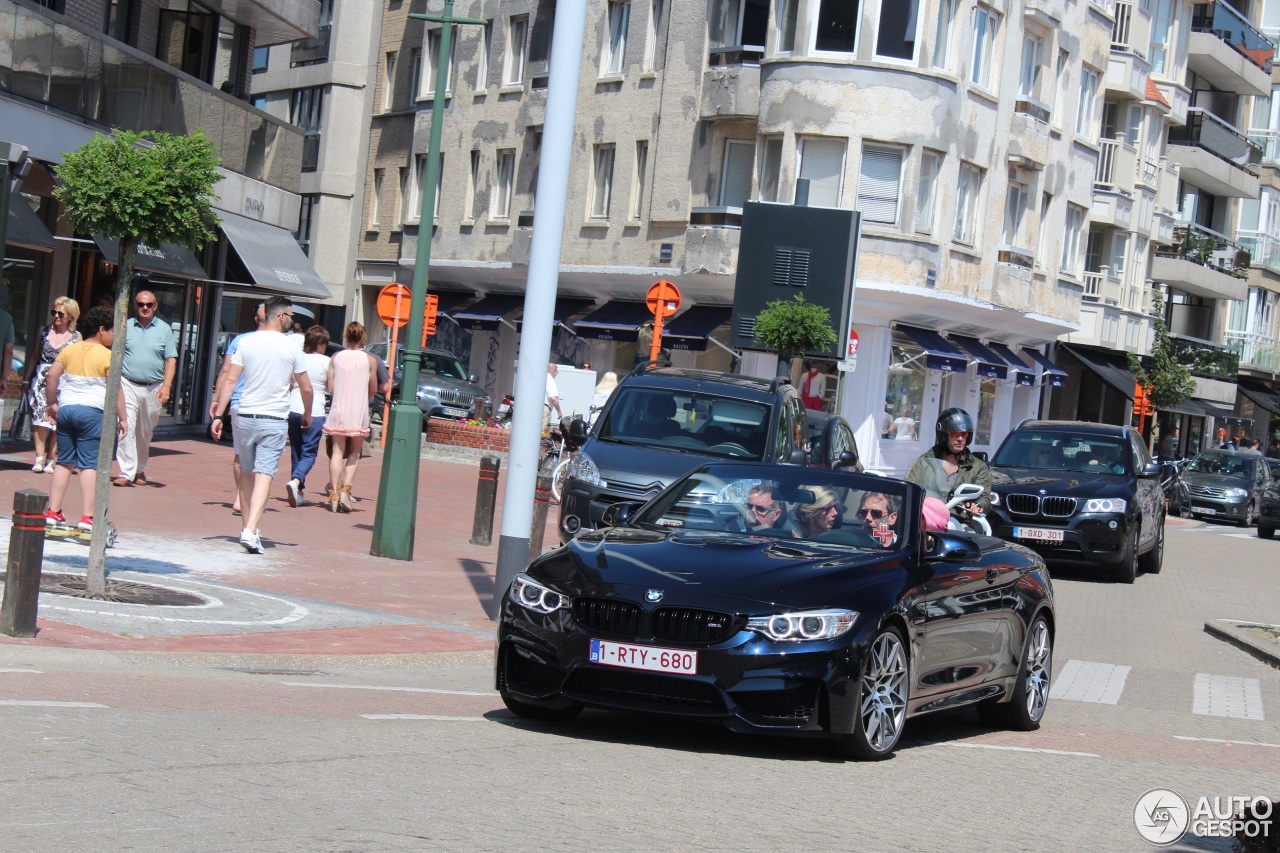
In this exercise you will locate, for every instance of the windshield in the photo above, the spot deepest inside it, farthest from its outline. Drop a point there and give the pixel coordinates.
(1225, 464)
(1059, 451)
(706, 424)
(442, 365)
(787, 503)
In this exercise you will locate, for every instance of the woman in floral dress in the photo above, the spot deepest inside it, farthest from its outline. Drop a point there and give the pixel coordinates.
(53, 339)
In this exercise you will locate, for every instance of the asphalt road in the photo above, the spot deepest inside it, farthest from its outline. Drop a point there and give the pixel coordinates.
(107, 752)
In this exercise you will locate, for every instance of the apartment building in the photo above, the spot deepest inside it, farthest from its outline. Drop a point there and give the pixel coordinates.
(72, 68)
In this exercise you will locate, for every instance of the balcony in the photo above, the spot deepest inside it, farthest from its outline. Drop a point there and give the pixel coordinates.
(1228, 51)
(1178, 98)
(62, 64)
(1215, 156)
(1206, 358)
(311, 51)
(1264, 250)
(1117, 166)
(1256, 352)
(1270, 142)
(731, 83)
(1127, 66)
(1204, 263)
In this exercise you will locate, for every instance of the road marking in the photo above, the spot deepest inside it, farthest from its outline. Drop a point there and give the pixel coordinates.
(1227, 696)
(1022, 749)
(424, 717)
(1087, 681)
(380, 687)
(31, 671)
(1233, 742)
(36, 703)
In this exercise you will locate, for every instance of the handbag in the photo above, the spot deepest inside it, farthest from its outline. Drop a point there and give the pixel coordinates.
(20, 427)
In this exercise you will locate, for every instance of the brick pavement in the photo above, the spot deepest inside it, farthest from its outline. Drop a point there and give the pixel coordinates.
(179, 531)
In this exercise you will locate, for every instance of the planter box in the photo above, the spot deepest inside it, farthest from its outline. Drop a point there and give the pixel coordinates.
(457, 434)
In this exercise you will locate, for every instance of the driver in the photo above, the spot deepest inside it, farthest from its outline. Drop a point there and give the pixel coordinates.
(763, 510)
(950, 463)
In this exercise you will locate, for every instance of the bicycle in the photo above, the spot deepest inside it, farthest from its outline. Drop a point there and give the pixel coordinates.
(559, 452)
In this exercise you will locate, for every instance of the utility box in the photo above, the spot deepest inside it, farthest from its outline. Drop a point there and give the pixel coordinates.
(790, 249)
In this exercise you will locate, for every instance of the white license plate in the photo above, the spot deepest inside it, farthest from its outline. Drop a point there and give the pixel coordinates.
(1037, 534)
(453, 413)
(1204, 510)
(652, 658)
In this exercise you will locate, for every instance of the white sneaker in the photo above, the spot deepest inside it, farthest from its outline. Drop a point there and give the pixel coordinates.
(51, 467)
(252, 542)
(294, 493)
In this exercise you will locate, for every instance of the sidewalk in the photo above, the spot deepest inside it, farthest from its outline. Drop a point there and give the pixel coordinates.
(315, 591)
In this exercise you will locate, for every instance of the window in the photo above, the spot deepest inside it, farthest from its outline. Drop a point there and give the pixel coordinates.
(657, 16)
(788, 11)
(967, 204)
(986, 25)
(601, 181)
(822, 165)
(389, 81)
(837, 29)
(879, 183)
(473, 184)
(926, 193)
(259, 102)
(307, 207)
(735, 173)
(942, 37)
(433, 63)
(374, 202)
(513, 62)
(504, 172)
(415, 73)
(1057, 108)
(770, 168)
(483, 51)
(1119, 254)
(1015, 205)
(1042, 237)
(402, 190)
(1162, 28)
(416, 185)
(1071, 240)
(897, 32)
(613, 56)
(986, 410)
(637, 179)
(1087, 109)
(1029, 73)
(905, 391)
(261, 56)
(306, 108)
(435, 208)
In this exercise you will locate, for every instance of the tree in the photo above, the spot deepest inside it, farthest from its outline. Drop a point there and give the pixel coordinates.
(794, 328)
(140, 188)
(1168, 382)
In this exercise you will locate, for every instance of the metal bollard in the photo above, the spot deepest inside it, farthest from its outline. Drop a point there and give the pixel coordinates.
(486, 500)
(26, 556)
(541, 499)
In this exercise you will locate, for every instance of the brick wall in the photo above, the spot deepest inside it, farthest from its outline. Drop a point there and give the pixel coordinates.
(467, 435)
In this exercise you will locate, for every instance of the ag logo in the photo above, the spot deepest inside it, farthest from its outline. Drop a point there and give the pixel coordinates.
(1161, 816)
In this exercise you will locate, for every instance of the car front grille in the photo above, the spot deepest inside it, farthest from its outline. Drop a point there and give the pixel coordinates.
(455, 397)
(1208, 491)
(667, 624)
(682, 625)
(644, 690)
(608, 616)
(1058, 507)
(1052, 506)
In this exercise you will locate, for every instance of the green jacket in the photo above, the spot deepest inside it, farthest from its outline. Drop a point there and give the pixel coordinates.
(928, 473)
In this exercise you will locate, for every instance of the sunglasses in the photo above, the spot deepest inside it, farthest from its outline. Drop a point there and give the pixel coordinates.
(56, 313)
(958, 434)
(145, 304)
(877, 514)
(760, 509)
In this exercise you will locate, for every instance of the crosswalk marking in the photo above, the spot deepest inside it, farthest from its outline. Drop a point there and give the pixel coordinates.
(19, 669)
(1087, 681)
(394, 689)
(39, 703)
(1023, 749)
(424, 717)
(1227, 696)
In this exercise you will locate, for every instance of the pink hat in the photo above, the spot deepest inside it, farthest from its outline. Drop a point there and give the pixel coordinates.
(935, 514)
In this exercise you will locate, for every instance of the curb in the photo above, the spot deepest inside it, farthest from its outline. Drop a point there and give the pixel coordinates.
(1233, 631)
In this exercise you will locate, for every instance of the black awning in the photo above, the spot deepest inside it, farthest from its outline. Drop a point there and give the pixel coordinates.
(1197, 407)
(169, 259)
(1112, 368)
(566, 307)
(272, 257)
(24, 228)
(1022, 374)
(614, 321)
(1054, 376)
(449, 301)
(689, 331)
(990, 365)
(1261, 395)
(939, 353)
(487, 314)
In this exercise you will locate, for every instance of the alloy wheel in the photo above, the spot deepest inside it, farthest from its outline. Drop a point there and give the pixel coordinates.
(1039, 668)
(884, 704)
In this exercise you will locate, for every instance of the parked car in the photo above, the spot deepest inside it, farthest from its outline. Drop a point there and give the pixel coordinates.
(444, 388)
(662, 421)
(831, 442)
(1227, 484)
(1269, 503)
(681, 607)
(1080, 491)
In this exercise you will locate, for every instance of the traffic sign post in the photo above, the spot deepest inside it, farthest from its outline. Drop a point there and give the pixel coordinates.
(663, 300)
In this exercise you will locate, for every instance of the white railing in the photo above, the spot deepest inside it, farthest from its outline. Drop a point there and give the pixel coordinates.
(1115, 165)
(1121, 31)
(1264, 249)
(1092, 286)
(1270, 142)
(1261, 352)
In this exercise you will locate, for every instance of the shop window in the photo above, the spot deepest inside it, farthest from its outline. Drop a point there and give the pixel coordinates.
(904, 394)
(986, 411)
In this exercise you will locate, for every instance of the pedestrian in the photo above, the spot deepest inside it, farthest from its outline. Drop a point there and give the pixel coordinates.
(551, 401)
(260, 318)
(268, 360)
(1273, 448)
(304, 444)
(53, 338)
(77, 391)
(604, 389)
(813, 387)
(353, 380)
(150, 357)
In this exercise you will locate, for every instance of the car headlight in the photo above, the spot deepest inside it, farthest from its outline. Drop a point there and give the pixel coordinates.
(1236, 493)
(995, 498)
(1105, 505)
(583, 468)
(530, 594)
(804, 624)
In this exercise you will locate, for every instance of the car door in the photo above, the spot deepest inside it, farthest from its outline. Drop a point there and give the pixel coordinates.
(1147, 491)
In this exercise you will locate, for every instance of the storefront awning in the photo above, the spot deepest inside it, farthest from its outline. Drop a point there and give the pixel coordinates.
(614, 321)
(25, 229)
(689, 331)
(1203, 408)
(1112, 369)
(273, 257)
(1261, 395)
(989, 364)
(939, 353)
(1022, 374)
(486, 315)
(1054, 376)
(168, 259)
(566, 307)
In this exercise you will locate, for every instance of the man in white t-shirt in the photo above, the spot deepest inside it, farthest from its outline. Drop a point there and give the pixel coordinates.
(268, 360)
(552, 399)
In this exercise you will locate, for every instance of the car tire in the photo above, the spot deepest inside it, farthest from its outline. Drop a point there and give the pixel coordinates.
(1126, 571)
(1247, 521)
(883, 689)
(529, 711)
(1152, 561)
(1030, 699)
(1265, 531)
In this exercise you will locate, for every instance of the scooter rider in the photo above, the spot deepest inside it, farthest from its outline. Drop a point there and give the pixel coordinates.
(950, 462)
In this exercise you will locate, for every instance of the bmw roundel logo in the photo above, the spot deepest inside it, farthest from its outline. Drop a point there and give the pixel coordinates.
(653, 596)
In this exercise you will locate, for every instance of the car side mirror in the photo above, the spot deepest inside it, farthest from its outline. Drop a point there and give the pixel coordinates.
(472, 379)
(1150, 470)
(981, 454)
(798, 457)
(578, 431)
(617, 515)
(950, 548)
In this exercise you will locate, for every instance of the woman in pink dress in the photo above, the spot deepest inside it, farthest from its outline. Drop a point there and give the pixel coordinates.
(353, 380)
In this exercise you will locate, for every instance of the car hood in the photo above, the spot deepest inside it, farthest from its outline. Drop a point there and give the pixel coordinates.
(643, 465)
(1216, 481)
(436, 381)
(1065, 483)
(705, 568)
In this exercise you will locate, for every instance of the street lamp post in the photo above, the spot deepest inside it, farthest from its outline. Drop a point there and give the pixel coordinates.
(393, 523)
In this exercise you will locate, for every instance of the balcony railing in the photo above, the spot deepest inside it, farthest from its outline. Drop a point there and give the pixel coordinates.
(1227, 24)
(1122, 29)
(1270, 142)
(313, 50)
(1208, 248)
(1259, 352)
(1117, 165)
(1207, 131)
(1107, 6)
(1205, 358)
(1264, 249)
(1101, 286)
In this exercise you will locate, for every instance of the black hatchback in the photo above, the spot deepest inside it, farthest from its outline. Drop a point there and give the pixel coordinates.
(1081, 492)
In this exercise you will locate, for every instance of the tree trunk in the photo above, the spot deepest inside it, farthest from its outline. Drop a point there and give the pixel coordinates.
(96, 582)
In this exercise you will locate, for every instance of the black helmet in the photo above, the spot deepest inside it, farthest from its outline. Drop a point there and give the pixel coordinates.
(953, 420)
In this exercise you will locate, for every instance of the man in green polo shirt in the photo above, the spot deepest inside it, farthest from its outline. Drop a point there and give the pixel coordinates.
(150, 358)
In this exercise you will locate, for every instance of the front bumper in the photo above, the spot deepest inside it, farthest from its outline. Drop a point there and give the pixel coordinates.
(1088, 537)
(582, 506)
(1229, 508)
